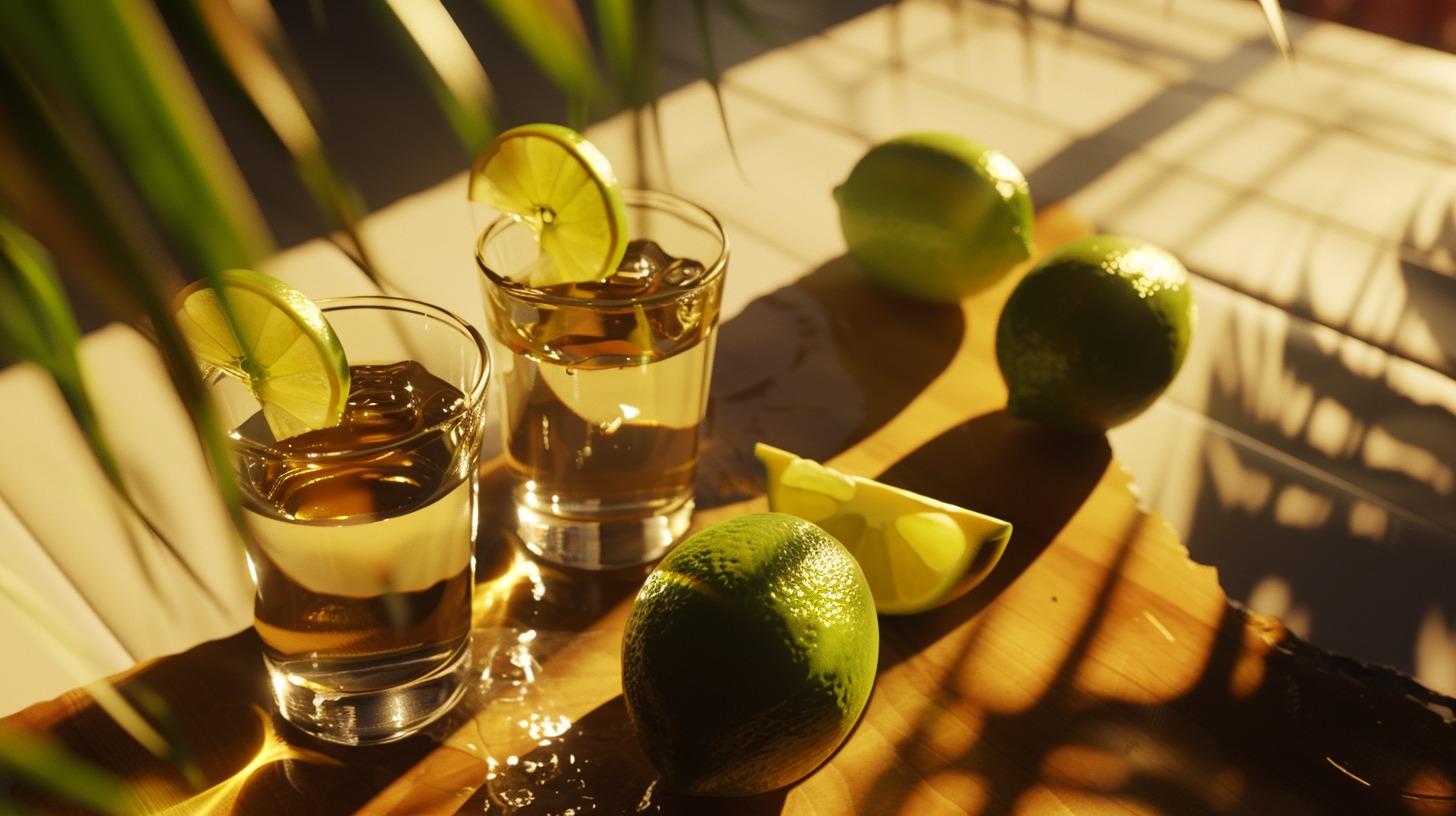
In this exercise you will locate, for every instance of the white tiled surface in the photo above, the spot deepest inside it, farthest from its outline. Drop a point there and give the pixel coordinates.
(1308, 448)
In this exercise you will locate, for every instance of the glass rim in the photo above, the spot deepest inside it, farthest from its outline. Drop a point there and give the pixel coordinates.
(647, 199)
(474, 395)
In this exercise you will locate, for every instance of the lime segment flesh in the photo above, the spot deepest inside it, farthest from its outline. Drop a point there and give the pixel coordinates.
(278, 342)
(917, 553)
(564, 188)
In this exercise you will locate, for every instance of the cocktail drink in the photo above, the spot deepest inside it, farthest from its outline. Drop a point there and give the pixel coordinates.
(362, 535)
(603, 384)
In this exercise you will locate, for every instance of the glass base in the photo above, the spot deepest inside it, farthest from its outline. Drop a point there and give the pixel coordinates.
(384, 712)
(602, 545)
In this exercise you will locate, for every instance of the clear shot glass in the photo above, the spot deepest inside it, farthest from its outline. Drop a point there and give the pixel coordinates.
(362, 536)
(602, 386)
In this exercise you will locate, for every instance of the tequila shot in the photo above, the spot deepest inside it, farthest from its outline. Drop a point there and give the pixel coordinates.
(362, 535)
(602, 386)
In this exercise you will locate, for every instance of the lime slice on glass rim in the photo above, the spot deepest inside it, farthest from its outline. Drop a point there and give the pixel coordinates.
(561, 185)
(917, 553)
(277, 342)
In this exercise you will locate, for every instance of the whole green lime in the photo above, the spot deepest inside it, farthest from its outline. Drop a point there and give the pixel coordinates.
(1095, 332)
(748, 655)
(935, 216)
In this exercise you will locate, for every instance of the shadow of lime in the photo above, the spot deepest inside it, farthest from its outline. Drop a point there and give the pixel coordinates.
(608, 770)
(813, 368)
(1029, 474)
(1021, 471)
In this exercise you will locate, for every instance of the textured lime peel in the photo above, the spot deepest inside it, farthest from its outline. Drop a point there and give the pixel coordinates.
(749, 655)
(563, 187)
(278, 342)
(936, 216)
(1095, 333)
(917, 553)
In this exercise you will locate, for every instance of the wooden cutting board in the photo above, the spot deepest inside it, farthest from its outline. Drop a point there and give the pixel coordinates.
(1097, 671)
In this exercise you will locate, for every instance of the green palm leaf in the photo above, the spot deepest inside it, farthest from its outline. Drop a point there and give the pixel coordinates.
(243, 44)
(112, 63)
(68, 194)
(443, 58)
(36, 324)
(622, 25)
(42, 761)
(554, 36)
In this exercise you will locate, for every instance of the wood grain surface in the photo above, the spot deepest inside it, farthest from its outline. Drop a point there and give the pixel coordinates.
(1097, 671)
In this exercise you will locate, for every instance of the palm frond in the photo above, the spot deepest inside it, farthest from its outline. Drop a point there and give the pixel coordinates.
(554, 37)
(242, 42)
(42, 761)
(621, 34)
(37, 325)
(713, 76)
(112, 65)
(442, 56)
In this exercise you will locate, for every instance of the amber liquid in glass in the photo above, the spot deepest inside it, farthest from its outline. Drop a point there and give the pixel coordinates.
(605, 398)
(363, 564)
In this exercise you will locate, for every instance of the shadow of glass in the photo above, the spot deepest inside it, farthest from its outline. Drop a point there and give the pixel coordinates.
(814, 368)
(217, 707)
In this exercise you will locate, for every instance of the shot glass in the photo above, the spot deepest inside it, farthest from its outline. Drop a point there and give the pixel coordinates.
(602, 386)
(361, 536)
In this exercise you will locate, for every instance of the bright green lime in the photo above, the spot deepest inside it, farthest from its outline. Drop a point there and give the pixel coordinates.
(1095, 332)
(560, 184)
(279, 343)
(936, 216)
(749, 655)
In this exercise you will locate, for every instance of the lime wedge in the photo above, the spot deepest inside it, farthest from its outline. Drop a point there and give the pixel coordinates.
(917, 553)
(282, 347)
(564, 188)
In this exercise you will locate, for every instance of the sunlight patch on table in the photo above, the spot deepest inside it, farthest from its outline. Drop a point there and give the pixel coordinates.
(1435, 651)
(221, 798)
(1300, 508)
(1274, 596)
(1385, 451)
